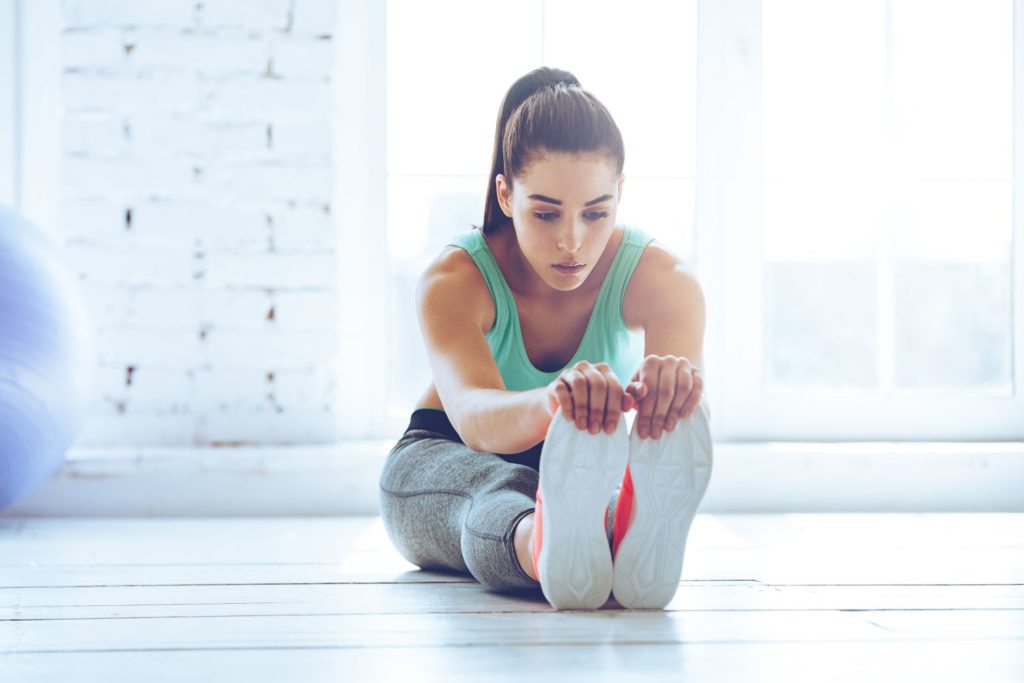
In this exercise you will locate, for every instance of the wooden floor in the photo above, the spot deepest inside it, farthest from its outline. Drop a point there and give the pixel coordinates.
(798, 597)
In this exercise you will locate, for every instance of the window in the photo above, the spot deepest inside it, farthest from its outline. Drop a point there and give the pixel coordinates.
(872, 272)
(840, 175)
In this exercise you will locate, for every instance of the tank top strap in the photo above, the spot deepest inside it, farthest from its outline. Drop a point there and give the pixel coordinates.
(474, 243)
(634, 241)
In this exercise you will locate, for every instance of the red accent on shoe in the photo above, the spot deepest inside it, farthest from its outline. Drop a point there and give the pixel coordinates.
(623, 512)
(537, 538)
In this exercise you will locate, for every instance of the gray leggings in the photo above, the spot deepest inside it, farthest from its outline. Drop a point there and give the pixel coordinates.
(446, 506)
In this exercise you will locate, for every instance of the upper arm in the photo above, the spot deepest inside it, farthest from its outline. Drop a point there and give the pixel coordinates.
(454, 307)
(666, 300)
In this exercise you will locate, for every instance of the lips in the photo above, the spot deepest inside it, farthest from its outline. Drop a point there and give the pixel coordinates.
(569, 265)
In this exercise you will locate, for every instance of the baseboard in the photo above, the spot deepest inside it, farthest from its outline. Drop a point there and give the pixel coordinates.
(342, 479)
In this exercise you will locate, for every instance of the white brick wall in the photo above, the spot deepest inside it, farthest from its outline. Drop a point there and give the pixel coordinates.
(196, 209)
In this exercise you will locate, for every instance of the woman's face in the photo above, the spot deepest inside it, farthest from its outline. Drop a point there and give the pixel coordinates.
(563, 209)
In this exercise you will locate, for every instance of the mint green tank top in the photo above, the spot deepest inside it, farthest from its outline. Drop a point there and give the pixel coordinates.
(606, 339)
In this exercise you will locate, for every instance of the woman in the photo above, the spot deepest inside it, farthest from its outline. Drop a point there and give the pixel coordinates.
(527, 323)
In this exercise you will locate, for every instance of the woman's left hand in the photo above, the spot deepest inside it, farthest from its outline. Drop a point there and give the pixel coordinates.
(667, 389)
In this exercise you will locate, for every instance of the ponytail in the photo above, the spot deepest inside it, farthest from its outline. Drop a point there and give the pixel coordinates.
(547, 110)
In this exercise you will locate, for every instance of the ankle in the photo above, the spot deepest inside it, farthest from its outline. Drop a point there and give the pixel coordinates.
(524, 545)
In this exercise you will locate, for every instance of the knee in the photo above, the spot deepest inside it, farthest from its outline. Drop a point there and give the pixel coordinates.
(414, 535)
(510, 477)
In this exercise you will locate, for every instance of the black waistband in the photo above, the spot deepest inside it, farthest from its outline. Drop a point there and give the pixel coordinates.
(437, 421)
(434, 420)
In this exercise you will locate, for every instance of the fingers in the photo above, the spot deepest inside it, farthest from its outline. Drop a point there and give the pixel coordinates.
(598, 392)
(649, 373)
(592, 397)
(674, 397)
(613, 404)
(635, 392)
(695, 389)
(580, 397)
(663, 390)
(664, 395)
(564, 398)
(681, 399)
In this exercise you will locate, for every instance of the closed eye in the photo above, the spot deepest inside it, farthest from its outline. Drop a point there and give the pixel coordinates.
(549, 216)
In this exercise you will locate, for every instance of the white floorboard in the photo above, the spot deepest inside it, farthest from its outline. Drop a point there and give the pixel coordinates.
(901, 597)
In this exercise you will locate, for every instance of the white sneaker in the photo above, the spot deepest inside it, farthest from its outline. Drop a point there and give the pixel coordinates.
(669, 477)
(579, 472)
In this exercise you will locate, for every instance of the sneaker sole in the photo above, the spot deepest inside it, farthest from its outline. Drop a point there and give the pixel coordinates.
(670, 475)
(578, 475)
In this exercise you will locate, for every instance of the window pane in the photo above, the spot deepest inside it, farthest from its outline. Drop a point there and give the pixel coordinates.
(663, 208)
(951, 330)
(424, 213)
(449, 65)
(887, 210)
(952, 242)
(952, 206)
(952, 88)
(821, 333)
(823, 130)
(640, 60)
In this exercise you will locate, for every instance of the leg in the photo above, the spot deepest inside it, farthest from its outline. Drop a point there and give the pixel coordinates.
(524, 544)
(447, 506)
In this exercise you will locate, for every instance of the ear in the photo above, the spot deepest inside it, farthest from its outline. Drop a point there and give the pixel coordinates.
(504, 191)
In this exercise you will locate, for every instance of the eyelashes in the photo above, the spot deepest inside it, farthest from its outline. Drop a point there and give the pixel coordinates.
(549, 216)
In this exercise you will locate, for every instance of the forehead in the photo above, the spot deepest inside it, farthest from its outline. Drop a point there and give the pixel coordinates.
(568, 176)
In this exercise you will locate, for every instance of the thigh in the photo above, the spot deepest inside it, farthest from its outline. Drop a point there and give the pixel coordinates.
(425, 462)
(427, 487)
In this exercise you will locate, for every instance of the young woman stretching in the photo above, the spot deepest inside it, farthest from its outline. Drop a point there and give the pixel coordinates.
(514, 465)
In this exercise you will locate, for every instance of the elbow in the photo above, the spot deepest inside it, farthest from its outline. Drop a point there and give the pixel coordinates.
(463, 429)
(471, 440)
(471, 437)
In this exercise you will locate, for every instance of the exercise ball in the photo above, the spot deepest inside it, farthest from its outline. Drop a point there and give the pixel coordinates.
(47, 357)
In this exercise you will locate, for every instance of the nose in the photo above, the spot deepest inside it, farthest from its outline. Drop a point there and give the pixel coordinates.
(571, 237)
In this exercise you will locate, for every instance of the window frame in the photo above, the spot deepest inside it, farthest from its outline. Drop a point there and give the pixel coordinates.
(30, 152)
(360, 210)
(727, 262)
(10, 65)
(729, 94)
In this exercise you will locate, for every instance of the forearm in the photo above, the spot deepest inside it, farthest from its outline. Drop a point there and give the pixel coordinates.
(503, 422)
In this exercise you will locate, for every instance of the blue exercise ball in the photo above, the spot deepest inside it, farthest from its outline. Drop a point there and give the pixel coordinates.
(47, 357)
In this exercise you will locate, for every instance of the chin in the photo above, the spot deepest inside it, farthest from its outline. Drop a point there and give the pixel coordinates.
(563, 286)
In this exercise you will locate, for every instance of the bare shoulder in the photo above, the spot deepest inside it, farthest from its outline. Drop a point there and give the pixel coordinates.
(453, 279)
(662, 283)
(455, 309)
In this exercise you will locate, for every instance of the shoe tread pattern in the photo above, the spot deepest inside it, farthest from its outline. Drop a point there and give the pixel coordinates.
(670, 475)
(579, 472)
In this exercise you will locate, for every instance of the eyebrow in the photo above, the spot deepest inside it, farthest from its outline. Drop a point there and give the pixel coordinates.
(559, 201)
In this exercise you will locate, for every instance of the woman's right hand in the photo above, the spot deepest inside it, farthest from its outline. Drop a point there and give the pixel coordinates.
(592, 396)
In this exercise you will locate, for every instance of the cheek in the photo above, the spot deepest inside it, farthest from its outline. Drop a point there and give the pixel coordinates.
(538, 251)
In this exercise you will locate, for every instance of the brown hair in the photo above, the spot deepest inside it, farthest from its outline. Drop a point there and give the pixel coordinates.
(547, 110)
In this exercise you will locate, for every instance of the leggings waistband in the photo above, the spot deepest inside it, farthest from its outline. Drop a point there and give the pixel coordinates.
(437, 421)
(433, 420)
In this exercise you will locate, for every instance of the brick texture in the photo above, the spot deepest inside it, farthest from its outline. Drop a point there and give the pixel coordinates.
(196, 210)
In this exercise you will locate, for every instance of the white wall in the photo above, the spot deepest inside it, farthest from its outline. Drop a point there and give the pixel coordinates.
(195, 205)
